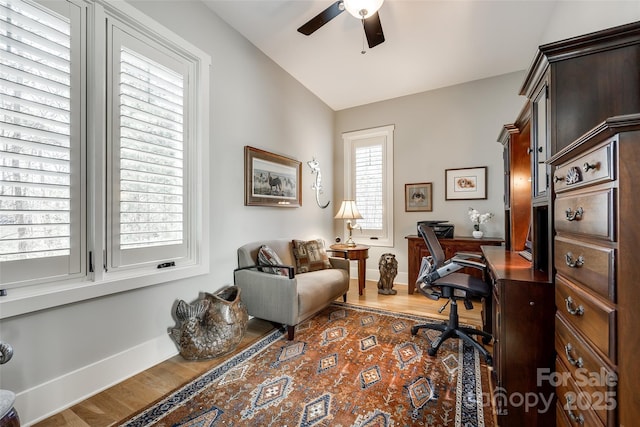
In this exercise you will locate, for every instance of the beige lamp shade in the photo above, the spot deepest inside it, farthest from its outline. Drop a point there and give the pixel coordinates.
(348, 210)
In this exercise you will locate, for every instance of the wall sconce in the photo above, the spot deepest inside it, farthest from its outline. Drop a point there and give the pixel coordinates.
(348, 210)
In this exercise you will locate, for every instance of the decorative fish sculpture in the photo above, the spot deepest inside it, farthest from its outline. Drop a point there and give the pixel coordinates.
(211, 326)
(317, 185)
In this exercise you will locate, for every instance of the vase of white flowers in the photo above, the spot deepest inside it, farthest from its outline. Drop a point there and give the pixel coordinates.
(477, 218)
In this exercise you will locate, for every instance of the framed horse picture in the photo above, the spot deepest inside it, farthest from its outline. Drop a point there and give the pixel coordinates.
(271, 179)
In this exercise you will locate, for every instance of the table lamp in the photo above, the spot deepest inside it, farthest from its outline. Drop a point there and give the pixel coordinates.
(348, 210)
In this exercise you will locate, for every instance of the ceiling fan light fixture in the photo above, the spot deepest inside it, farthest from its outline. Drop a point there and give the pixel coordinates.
(362, 9)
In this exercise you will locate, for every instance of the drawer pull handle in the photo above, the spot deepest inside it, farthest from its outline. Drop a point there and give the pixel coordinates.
(575, 418)
(574, 362)
(588, 166)
(574, 216)
(573, 311)
(574, 264)
(557, 178)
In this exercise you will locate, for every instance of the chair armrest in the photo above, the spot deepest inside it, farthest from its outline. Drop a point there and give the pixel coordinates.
(468, 255)
(340, 263)
(268, 296)
(259, 268)
(468, 263)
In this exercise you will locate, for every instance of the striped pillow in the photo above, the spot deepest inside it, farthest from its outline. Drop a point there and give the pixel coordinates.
(266, 257)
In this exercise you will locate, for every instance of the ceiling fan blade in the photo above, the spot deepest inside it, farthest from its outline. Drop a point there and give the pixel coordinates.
(373, 30)
(322, 18)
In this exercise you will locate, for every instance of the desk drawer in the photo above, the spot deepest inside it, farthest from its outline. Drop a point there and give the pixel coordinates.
(590, 214)
(592, 374)
(591, 265)
(592, 167)
(590, 316)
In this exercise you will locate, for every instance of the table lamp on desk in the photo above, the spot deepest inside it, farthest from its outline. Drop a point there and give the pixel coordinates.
(349, 211)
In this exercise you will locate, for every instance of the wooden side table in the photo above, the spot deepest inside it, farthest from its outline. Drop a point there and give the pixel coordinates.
(358, 253)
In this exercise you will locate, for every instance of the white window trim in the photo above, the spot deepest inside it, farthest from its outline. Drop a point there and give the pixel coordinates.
(348, 139)
(35, 297)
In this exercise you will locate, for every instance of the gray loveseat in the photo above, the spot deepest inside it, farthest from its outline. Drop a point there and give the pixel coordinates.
(288, 300)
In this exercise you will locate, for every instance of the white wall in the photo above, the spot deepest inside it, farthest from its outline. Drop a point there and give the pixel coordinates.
(574, 18)
(62, 355)
(453, 127)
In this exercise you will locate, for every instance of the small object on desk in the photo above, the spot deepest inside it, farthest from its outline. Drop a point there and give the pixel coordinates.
(526, 255)
(388, 266)
(442, 230)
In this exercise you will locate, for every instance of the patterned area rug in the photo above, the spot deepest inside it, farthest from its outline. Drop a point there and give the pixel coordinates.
(348, 366)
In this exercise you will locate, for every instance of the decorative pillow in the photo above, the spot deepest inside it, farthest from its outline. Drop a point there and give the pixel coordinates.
(266, 257)
(310, 256)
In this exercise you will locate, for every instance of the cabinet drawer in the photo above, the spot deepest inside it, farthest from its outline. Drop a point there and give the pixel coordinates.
(591, 373)
(561, 417)
(591, 265)
(574, 403)
(590, 316)
(588, 214)
(592, 167)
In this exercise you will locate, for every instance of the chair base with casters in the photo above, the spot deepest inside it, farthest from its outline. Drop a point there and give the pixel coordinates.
(452, 329)
(438, 278)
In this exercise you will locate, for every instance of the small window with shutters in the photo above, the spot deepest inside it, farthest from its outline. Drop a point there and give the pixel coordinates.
(148, 153)
(369, 181)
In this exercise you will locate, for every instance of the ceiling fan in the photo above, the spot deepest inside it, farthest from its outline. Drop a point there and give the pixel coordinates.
(365, 10)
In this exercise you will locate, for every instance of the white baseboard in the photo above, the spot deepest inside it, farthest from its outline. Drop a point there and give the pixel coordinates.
(60, 393)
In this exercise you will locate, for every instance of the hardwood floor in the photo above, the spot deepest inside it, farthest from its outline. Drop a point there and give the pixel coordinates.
(134, 394)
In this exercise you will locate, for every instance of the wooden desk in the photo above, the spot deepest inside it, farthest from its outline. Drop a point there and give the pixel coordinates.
(418, 249)
(358, 253)
(522, 321)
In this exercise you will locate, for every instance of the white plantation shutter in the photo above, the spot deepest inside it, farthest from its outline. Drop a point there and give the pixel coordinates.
(41, 219)
(369, 191)
(151, 146)
(150, 216)
(369, 181)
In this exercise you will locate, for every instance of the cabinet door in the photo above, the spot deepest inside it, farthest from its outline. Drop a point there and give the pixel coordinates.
(506, 158)
(540, 141)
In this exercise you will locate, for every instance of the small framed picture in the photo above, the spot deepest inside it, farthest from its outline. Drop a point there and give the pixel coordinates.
(466, 183)
(418, 197)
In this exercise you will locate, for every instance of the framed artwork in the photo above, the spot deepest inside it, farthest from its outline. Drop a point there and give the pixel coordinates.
(271, 179)
(465, 183)
(418, 197)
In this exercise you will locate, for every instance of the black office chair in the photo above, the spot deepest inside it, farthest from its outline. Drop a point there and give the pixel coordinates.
(438, 279)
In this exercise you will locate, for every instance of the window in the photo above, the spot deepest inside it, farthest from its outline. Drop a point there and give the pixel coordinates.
(369, 181)
(149, 215)
(102, 187)
(41, 213)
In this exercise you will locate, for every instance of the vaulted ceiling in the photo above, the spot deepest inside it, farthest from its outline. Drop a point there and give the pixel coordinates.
(429, 44)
